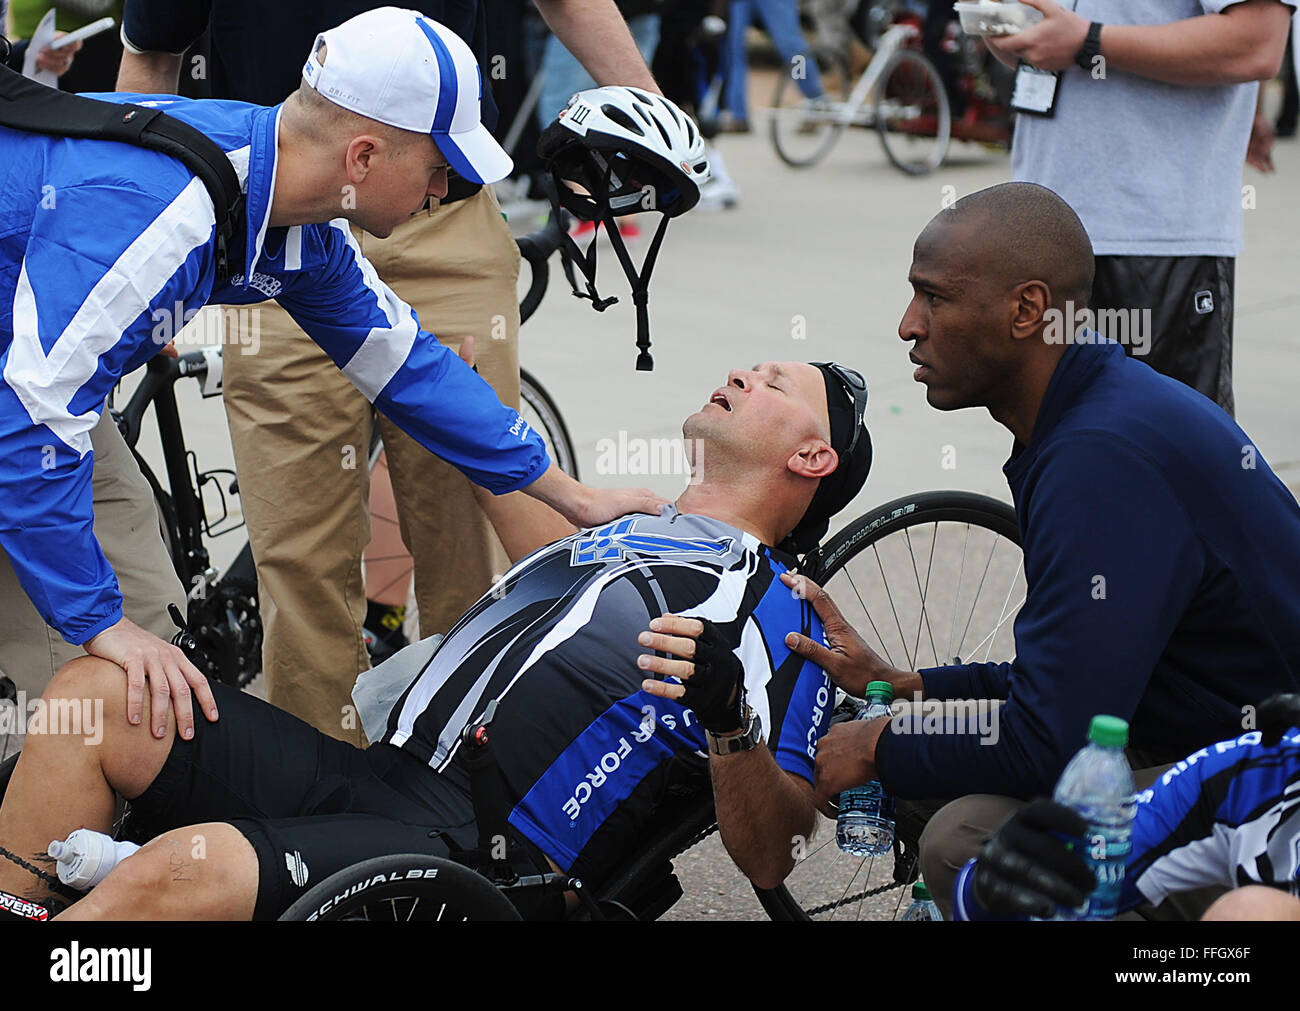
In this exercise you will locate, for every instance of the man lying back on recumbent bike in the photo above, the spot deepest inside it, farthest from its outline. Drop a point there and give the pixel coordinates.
(654, 639)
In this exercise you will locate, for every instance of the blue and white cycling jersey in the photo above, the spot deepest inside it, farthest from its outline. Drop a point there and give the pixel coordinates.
(1227, 815)
(105, 249)
(586, 755)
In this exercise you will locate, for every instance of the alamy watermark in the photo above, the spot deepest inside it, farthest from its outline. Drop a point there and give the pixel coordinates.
(951, 716)
(624, 456)
(1084, 325)
(228, 324)
(78, 717)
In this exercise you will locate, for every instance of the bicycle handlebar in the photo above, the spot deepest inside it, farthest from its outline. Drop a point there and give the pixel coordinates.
(537, 249)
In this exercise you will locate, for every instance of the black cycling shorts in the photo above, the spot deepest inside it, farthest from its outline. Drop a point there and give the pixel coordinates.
(310, 805)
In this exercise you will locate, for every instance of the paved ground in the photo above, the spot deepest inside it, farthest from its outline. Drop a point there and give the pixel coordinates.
(830, 246)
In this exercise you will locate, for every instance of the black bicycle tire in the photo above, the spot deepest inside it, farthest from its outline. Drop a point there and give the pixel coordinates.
(456, 882)
(537, 397)
(836, 128)
(910, 510)
(928, 68)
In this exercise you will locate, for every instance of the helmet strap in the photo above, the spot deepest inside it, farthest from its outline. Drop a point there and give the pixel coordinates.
(586, 261)
(571, 253)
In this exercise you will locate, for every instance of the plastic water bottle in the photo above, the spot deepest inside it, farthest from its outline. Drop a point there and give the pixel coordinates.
(866, 821)
(1099, 785)
(86, 857)
(922, 907)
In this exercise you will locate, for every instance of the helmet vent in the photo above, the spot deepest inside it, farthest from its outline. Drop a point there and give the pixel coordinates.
(622, 119)
(663, 133)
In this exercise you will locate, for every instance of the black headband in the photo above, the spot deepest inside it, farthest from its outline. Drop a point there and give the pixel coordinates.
(838, 488)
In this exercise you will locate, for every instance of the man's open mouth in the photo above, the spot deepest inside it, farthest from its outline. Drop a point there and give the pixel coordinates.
(720, 398)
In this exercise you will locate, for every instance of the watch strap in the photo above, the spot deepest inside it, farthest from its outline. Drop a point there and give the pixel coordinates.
(746, 741)
(1091, 47)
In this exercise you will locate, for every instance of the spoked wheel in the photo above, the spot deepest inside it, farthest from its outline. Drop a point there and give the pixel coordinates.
(804, 131)
(927, 580)
(538, 409)
(403, 887)
(911, 112)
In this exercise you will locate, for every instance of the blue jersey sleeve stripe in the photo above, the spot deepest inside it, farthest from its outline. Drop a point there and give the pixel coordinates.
(805, 721)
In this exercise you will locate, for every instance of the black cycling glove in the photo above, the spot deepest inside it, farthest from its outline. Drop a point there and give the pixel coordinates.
(1277, 715)
(1026, 869)
(717, 688)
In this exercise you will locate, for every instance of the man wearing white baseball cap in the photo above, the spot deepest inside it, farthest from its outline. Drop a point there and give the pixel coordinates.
(455, 262)
(89, 302)
(425, 82)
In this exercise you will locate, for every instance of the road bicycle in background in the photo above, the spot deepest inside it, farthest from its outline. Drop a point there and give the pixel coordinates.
(900, 94)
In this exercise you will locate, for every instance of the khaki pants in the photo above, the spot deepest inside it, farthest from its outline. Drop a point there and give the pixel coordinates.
(126, 526)
(297, 424)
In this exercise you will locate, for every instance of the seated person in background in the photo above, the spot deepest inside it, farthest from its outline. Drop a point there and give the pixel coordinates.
(1227, 815)
(587, 737)
(1161, 553)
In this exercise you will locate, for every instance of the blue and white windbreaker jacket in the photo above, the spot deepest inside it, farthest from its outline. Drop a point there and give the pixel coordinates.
(100, 241)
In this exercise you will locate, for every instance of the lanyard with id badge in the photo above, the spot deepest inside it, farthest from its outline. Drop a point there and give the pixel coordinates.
(1036, 90)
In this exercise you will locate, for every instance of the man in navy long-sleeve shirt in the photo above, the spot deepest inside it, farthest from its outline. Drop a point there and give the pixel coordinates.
(1162, 554)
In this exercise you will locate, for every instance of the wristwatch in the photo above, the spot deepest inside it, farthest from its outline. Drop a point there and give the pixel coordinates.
(749, 739)
(1091, 47)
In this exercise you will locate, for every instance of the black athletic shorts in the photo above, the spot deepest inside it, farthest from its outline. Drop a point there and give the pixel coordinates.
(310, 805)
(1190, 299)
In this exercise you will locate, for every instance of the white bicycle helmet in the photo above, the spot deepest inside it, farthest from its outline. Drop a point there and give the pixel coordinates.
(637, 151)
(626, 151)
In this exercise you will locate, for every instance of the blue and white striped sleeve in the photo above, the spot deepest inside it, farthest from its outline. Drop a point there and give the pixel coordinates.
(376, 340)
(102, 266)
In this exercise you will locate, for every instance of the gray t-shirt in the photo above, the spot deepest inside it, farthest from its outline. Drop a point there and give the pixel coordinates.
(1152, 169)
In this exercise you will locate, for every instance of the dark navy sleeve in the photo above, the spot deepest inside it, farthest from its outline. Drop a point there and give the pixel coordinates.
(164, 26)
(967, 681)
(1111, 562)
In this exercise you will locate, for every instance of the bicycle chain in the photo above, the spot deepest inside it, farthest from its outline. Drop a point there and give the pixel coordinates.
(888, 886)
(699, 837)
(816, 910)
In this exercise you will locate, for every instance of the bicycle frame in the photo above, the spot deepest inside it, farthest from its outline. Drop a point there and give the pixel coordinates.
(185, 481)
(856, 111)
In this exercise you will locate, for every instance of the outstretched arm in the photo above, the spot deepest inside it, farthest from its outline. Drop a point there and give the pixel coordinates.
(523, 523)
(596, 34)
(1242, 42)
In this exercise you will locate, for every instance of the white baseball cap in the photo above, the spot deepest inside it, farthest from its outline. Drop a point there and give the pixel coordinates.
(405, 69)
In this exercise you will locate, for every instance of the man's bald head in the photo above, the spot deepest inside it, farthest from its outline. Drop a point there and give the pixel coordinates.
(988, 276)
(1020, 232)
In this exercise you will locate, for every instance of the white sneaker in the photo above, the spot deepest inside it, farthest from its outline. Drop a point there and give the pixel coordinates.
(721, 191)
